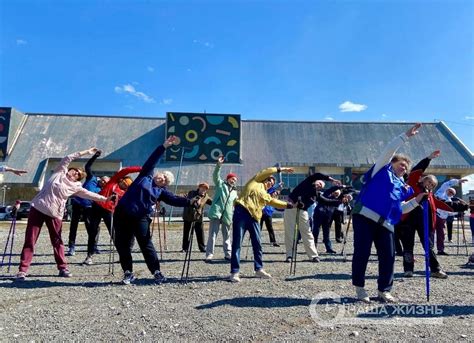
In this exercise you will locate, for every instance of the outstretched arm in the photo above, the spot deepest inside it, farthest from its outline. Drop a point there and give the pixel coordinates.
(151, 162)
(392, 147)
(18, 172)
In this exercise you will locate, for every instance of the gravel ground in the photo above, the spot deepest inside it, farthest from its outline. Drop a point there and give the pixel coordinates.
(94, 306)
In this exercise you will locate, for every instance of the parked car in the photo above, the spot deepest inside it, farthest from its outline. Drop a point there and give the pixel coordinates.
(5, 212)
(24, 210)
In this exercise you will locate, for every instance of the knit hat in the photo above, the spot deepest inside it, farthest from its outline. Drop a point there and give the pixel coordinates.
(231, 175)
(127, 181)
(204, 185)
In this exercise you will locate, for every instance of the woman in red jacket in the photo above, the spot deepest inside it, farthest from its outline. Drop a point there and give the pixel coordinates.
(117, 185)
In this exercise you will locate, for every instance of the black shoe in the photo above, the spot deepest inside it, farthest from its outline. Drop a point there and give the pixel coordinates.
(315, 259)
(275, 244)
(339, 240)
(288, 259)
(443, 253)
(330, 251)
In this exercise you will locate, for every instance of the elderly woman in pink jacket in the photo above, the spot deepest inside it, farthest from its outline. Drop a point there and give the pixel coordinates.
(48, 208)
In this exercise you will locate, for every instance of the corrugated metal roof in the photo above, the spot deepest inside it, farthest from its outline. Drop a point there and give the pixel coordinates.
(264, 143)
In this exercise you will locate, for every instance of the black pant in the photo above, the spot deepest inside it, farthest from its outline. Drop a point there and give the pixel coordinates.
(126, 229)
(449, 225)
(77, 212)
(268, 223)
(338, 217)
(398, 239)
(366, 232)
(199, 235)
(408, 239)
(98, 213)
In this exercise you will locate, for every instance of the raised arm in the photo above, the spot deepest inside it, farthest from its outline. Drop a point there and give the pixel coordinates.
(392, 147)
(88, 166)
(216, 175)
(149, 165)
(64, 164)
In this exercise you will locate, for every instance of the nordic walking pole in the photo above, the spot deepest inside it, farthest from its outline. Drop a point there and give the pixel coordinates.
(345, 236)
(247, 248)
(11, 246)
(153, 221)
(159, 235)
(112, 239)
(187, 257)
(463, 234)
(457, 235)
(427, 247)
(294, 252)
(6, 244)
(165, 245)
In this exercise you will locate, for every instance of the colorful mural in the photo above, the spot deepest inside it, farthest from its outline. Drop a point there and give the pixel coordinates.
(204, 137)
(5, 114)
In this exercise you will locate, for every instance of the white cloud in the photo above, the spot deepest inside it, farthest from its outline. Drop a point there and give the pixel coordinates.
(328, 118)
(205, 44)
(167, 101)
(21, 42)
(129, 89)
(384, 115)
(469, 117)
(188, 70)
(150, 69)
(349, 106)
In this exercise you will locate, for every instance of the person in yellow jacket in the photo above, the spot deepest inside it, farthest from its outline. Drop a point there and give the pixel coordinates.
(247, 214)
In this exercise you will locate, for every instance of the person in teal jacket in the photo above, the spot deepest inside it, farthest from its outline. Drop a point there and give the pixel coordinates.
(221, 212)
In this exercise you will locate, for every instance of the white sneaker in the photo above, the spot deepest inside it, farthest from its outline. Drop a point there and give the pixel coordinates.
(387, 297)
(262, 274)
(362, 294)
(234, 277)
(21, 276)
(88, 261)
(209, 258)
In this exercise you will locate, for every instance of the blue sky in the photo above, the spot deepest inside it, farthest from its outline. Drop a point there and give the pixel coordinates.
(284, 60)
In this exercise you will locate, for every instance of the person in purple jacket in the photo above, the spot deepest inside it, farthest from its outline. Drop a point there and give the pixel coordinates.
(132, 214)
(47, 208)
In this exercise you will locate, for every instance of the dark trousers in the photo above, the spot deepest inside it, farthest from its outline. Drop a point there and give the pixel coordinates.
(367, 232)
(78, 211)
(338, 217)
(439, 231)
(324, 221)
(408, 238)
(449, 226)
(199, 235)
(98, 213)
(398, 239)
(268, 223)
(126, 229)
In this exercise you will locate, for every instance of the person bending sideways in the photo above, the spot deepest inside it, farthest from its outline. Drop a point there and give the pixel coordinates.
(47, 208)
(132, 214)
